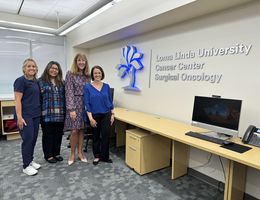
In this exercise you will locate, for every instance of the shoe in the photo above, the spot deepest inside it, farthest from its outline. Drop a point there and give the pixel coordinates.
(70, 162)
(35, 165)
(83, 160)
(107, 161)
(30, 171)
(59, 158)
(95, 161)
(51, 160)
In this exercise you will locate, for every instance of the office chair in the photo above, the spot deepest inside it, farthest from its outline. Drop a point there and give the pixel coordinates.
(88, 136)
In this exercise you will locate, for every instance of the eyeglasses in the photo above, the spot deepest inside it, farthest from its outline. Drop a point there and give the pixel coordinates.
(55, 68)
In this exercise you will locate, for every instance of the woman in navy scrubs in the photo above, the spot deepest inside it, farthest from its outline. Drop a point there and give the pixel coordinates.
(28, 111)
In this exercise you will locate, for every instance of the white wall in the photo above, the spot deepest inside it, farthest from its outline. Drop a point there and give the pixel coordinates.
(174, 99)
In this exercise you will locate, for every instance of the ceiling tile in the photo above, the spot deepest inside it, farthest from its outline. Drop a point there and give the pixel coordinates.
(48, 9)
(10, 6)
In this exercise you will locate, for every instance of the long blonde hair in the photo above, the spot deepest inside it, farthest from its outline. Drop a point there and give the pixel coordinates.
(74, 67)
(25, 64)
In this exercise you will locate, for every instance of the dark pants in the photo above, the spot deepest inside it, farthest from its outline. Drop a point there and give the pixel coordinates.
(51, 138)
(101, 136)
(29, 136)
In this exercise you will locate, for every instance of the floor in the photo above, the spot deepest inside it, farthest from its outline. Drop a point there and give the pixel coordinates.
(86, 181)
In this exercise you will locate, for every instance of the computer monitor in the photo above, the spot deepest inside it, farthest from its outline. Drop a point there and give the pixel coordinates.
(217, 114)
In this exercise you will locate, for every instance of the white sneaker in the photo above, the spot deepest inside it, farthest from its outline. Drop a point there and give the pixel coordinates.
(30, 171)
(35, 165)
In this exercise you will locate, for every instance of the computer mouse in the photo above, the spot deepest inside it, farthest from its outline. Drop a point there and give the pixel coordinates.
(226, 142)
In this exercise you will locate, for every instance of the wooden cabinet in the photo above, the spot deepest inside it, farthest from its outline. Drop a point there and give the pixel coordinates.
(8, 125)
(146, 152)
(120, 130)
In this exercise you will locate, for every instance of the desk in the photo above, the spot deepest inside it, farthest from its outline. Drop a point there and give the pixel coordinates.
(237, 163)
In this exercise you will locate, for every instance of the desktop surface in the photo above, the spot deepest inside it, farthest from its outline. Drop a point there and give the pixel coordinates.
(176, 131)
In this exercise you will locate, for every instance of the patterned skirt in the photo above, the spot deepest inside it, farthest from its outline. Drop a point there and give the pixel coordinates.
(78, 123)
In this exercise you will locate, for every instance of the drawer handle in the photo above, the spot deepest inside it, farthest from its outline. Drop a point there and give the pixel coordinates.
(132, 137)
(134, 149)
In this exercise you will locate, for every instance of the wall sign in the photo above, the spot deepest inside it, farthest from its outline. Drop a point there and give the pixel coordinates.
(130, 63)
(189, 66)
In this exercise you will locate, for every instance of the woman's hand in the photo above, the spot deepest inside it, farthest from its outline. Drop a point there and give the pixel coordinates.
(21, 123)
(93, 123)
(112, 119)
(73, 115)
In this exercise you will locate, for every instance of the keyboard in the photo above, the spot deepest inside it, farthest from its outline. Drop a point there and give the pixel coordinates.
(205, 137)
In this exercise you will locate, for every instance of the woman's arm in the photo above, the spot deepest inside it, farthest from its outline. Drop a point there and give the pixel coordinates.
(69, 95)
(86, 96)
(112, 119)
(18, 108)
(92, 121)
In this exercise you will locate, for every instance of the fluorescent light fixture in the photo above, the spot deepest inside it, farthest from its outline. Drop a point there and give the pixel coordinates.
(94, 14)
(28, 25)
(1, 27)
(26, 31)
(89, 17)
(69, 29)
(73, 24)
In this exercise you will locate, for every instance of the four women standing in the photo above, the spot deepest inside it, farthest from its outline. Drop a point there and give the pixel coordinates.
(47, 99)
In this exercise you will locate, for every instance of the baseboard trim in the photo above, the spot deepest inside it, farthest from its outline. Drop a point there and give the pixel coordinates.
(214, 182)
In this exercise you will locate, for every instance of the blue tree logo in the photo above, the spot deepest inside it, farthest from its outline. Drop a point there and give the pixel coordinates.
(130, 63)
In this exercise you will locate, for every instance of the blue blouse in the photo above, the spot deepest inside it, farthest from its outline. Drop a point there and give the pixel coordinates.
(96, 101)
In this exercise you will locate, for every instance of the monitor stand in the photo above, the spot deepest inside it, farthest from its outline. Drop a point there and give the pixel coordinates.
(221, 136)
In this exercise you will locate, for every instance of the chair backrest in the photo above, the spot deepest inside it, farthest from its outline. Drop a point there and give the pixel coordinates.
(112, 93)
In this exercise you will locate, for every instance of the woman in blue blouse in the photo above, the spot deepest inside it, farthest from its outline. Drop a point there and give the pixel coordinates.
(99, 106)
(53, 111)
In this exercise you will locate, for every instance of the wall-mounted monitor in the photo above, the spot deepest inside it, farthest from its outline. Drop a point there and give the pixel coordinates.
(217, 114)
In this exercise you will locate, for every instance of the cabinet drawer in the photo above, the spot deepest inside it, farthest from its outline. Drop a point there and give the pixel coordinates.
(133, 157)
(9, 116)
(134, 136)
(132, 140)
(7, 103)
